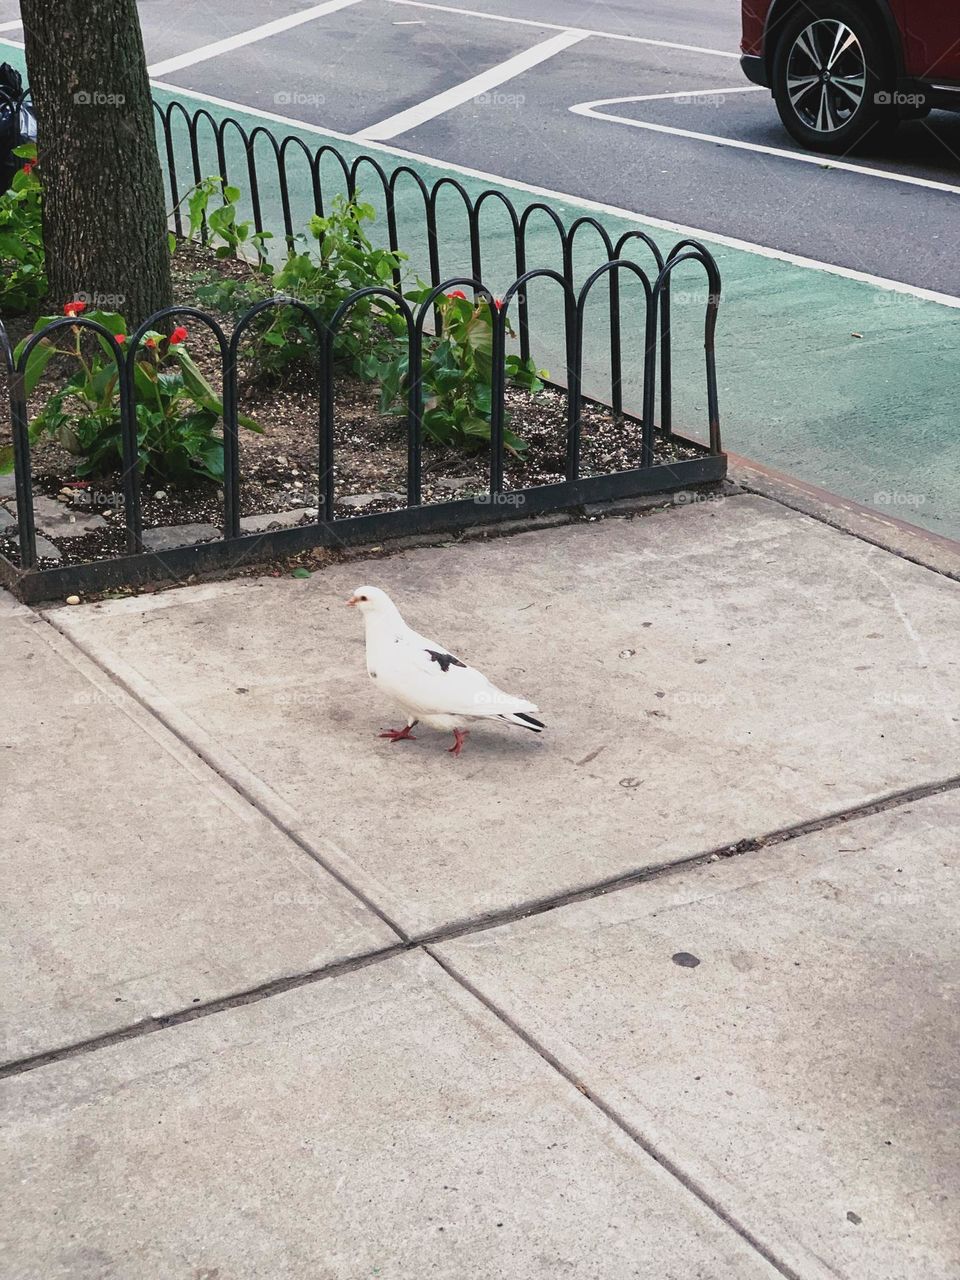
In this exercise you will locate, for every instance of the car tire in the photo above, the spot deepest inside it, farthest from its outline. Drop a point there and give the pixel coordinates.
(833, 78)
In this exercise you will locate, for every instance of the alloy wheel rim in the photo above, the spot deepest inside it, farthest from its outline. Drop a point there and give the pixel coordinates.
(826, 75)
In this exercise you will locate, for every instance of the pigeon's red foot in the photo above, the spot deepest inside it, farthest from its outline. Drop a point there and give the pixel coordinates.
(461, 736)
(399, 735)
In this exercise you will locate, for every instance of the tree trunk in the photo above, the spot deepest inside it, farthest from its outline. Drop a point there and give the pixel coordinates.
(104, 216)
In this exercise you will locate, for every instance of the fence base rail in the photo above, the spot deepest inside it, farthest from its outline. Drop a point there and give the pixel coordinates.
(176, 565)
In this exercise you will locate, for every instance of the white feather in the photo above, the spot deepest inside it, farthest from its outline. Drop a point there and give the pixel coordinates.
(429, 682)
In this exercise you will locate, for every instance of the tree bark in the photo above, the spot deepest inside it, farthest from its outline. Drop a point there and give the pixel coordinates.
(104, 215)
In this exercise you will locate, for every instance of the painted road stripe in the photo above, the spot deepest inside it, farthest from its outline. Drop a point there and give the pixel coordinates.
(694, 93)
(579, 202)
(404, 121)
(11, 26)
(588, 109)
(553, 26)
(248, 37)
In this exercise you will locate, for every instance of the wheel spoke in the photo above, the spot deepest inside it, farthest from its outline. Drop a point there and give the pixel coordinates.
(838, 47)
(825, 120)
(805, 43)
(798, 86)
(852, 86)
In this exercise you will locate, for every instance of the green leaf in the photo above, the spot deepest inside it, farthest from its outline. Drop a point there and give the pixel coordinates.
(196, 383)
(37, 361)
(300, 572)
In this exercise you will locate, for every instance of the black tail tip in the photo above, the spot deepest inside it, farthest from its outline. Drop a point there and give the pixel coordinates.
(536, 725)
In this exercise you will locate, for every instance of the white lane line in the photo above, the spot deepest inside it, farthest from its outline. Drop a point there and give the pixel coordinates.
(404, 121)
(11, 26)
(692, 93)
(553, 26)
(589, 109)
(578, 202)
(248, 37)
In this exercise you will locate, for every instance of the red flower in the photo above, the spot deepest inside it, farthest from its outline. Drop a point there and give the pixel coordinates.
(73, 309)
(29, 166)
(150, 342)
(498, 303)
(120, 339)
(178, 335)
(457, 293)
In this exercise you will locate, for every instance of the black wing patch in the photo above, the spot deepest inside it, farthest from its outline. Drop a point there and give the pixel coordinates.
(446, 660)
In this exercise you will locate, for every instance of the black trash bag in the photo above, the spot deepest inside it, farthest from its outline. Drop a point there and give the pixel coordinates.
(17, 123)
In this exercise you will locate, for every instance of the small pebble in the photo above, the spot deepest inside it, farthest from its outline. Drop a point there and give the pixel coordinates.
(73, 599)
(160, 495)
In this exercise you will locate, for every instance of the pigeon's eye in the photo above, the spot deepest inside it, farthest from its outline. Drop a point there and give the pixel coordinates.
(362, 598)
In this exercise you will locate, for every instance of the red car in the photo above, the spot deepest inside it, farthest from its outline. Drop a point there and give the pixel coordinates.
(842, 71)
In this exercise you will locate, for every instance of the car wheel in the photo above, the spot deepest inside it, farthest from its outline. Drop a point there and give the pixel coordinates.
(832, 78)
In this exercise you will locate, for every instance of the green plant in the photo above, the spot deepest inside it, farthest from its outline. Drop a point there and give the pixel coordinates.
(456, 375)
(23, 280)
(178, 412)
(340, 260)
(225, 232)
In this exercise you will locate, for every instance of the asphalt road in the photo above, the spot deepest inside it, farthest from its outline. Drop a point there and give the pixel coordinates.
(350, 69)
(361, 64)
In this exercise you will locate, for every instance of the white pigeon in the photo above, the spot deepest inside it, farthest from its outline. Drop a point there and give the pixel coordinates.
(429, 683)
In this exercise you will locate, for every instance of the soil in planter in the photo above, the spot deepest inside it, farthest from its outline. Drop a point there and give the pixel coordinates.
(279, 469)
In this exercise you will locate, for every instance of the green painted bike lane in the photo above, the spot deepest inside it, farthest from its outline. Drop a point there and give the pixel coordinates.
(842, 383)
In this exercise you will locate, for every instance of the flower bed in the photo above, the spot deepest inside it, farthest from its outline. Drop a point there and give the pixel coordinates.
(317, 402)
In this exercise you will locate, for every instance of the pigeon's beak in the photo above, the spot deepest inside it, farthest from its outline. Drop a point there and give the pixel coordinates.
(352, 601)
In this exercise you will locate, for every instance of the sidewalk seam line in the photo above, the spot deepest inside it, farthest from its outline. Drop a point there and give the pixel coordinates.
(460, 929)
(628, 879)
(192, 1013)
(665, 1162)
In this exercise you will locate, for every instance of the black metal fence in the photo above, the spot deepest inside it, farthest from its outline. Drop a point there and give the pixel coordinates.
(138, 565)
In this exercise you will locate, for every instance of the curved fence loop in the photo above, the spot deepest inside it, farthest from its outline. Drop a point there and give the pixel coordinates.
(130, 455)
(133, 511)
(433, 239)
(455, 282)
(231, 409)
(292, 140)
(693, 251)
(414, 411)
(20, 431)
(611, 269)
(519, 259)
(316, 166)
(587, 221)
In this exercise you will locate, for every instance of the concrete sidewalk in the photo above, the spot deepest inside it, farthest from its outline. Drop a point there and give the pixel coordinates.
(288, 1000)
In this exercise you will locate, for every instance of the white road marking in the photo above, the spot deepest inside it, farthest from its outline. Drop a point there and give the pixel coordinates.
(248, 37)
(692, 93)
(404, 121)
(581, 202)
(589, 109)
(11, 26)
(553, 26)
